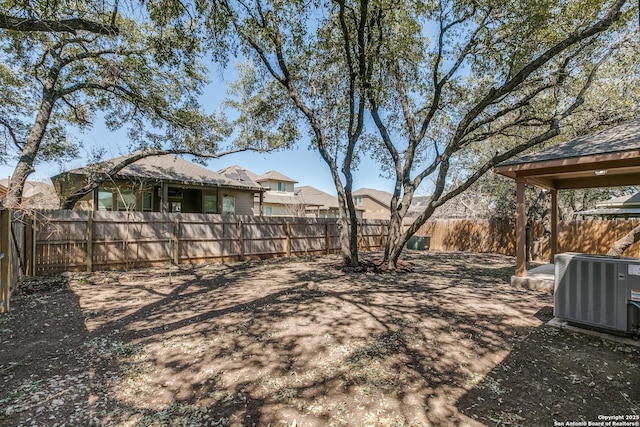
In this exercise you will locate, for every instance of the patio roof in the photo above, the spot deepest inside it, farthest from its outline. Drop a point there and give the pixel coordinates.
(608, 158)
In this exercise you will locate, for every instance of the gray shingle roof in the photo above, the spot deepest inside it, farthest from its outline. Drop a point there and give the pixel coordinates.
(620, 138)
(622, 201)
(238, 173)
(168, 168)
(383, 197)
(315, 197)
(274, 176)
(615, 212)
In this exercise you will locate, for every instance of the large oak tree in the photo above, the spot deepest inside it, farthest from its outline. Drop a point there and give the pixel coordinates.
(307, 64)
(440, 79)
(62, 64)
(503, 75)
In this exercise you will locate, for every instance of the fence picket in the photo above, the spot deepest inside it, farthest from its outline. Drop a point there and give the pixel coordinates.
(91, 241)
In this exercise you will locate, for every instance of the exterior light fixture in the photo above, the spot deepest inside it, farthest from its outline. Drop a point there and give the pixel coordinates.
(601, 172)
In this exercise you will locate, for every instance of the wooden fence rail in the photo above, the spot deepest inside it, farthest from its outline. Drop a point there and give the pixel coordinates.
(498, 236)
(87, 241)
(55, 241)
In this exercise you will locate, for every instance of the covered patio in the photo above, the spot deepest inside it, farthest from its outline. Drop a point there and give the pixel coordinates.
(609, 158)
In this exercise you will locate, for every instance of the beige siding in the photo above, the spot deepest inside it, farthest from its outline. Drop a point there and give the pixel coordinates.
(273, 185)
(373, 209)
(243, 201)
(277, 209)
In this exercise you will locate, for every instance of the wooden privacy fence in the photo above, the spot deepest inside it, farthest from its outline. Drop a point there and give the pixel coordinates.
(54, 241)
(485, 236)
(11, 246)
(58, 241)
(498, 236)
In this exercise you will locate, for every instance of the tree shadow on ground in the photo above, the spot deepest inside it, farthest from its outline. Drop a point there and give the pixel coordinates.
(271, 342)
(43, 344)
(317, 345)
(553, 376)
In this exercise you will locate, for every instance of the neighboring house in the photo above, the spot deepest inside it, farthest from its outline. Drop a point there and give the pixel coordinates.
(320, 204)
(164, 183)
(280, 198)
(619, 207)
(468, 205)
(35, 195)
(373, 203)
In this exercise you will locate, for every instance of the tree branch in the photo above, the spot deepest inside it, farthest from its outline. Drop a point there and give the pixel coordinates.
(72, 25)
(612, 15)
(12, 133)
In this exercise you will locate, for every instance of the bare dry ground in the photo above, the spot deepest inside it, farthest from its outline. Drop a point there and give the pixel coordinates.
(298, 342)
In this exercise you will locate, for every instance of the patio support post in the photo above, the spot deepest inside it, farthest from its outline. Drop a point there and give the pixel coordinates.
(165, 197)
(521, 230)
(553, 242)
(95, 194)
(261, 203)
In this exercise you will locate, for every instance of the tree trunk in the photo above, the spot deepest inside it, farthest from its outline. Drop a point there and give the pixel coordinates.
(353, 224)
(618, 248)
(391, 252)
(348, 242)
(24, 168)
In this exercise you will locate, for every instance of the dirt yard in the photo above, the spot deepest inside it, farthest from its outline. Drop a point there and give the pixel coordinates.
(297, 342)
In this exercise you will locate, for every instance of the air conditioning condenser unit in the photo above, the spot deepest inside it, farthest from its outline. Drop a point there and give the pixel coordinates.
(598, 291)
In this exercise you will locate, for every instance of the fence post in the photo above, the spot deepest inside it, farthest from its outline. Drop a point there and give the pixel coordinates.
(360, 226)
(176, 242)
(382, 235)
(90, 242)
(28, 248)
(287, 241)
(34, 245)
(240, 239)
(5, 262)
(327, 241)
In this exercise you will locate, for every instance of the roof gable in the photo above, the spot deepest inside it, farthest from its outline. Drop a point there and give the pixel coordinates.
(382, 197)
(274, 176)
(312, 196)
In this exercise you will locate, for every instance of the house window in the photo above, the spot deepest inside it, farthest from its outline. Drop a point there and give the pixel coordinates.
(105, 200)
(147, 201)
(282, 186)
(268, 211)
(126, 200)
(210, 204)
(228, 205)
(358, 200)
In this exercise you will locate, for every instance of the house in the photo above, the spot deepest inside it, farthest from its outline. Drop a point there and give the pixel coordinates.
(619, 207)
(374, 203)
(280, 198)
(35, 194)
(283, 198)
(164, 183)
(319, 204)
(468, 205)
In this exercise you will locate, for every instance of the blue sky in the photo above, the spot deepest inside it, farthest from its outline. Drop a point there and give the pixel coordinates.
(300, 163)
